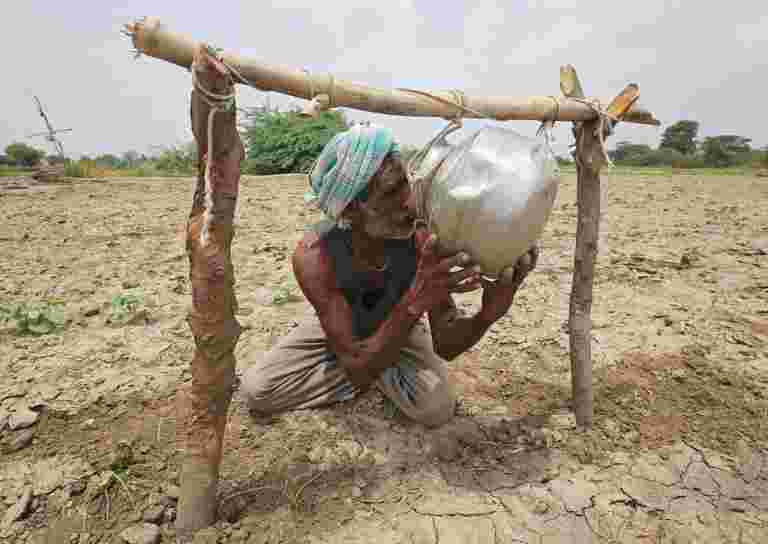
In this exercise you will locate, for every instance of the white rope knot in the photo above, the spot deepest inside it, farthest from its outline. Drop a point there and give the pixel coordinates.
(546, 126)
(216, 103)
(318, 101)
(605, 127)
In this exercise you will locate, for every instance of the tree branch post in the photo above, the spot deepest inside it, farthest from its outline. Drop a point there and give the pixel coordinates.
(589, 161)
(204, 404)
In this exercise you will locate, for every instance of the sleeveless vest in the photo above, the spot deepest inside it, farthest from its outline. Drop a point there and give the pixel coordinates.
(372, 301)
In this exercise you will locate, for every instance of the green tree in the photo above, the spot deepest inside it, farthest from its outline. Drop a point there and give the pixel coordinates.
(716, 153)
(23, 154)
(681, 136)
(727, 150)
(180, 159)
(627, 152)
(131, 159)
(735, 144)
(287, 142)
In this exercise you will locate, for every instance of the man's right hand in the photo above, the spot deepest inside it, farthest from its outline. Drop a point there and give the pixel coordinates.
(435, 281)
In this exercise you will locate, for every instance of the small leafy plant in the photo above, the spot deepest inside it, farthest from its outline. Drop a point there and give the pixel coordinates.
(282, 295)
(124, 307)
(35, 318)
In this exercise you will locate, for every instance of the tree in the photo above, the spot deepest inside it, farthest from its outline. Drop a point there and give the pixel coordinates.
(734, 144)
(23, 154)
(716, 154)
(286, 142)
(726, 150)
(628, 152)
(131, 158)
(178, 159)
(681, 136)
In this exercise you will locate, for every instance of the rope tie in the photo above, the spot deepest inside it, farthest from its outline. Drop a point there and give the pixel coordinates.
(607, 120)
(546, 126)
(320, 101)
(216, 103)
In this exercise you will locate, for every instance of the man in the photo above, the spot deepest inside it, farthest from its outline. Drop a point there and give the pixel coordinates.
(372, 278)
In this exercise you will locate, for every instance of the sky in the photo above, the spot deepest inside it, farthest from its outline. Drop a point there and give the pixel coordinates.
(706, 61)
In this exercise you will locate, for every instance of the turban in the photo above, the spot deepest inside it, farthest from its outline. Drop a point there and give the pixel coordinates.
(346, 165)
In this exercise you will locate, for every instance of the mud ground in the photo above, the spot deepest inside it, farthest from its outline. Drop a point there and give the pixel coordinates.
(677, 452)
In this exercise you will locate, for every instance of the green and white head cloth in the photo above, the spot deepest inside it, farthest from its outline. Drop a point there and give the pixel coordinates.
(346, 166)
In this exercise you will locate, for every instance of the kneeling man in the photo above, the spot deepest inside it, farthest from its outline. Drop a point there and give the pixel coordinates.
(372, 278)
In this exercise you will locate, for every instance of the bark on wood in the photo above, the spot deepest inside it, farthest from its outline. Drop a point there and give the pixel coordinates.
(150, 37)
(589, 161)
(212, 316)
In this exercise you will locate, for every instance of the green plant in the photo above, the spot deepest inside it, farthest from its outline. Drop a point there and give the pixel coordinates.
(36, 319)
(124, 307)
(23, 154)
(286, 142)
(282, 295)
(13, 171)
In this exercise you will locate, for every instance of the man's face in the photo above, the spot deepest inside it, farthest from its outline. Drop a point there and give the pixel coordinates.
(387, 213)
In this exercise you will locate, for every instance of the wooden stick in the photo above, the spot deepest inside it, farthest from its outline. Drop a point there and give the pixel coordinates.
(152, 38)
(212, 316)
(580, 310)
(589, 160)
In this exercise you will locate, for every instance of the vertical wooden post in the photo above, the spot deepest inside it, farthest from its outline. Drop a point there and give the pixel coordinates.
(204, 404)
(589, 160)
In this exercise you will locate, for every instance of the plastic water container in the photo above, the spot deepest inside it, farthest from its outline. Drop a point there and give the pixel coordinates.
(491, 195)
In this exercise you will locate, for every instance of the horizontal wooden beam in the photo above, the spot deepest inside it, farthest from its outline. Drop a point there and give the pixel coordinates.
(152, 38)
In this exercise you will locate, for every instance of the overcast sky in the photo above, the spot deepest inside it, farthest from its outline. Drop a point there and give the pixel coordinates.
(692, 59)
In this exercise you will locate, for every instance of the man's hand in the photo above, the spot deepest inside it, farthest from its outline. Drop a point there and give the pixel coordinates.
(435, 281)
(498, 295)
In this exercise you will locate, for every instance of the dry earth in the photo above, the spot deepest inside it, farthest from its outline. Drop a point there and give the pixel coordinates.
(677, 454)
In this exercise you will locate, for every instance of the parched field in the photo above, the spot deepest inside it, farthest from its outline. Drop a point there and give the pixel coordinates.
(677, 453)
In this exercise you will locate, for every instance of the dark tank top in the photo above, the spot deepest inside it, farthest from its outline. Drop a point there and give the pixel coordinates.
(372, 295)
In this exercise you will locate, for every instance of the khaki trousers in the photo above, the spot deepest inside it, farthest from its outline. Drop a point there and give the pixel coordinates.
(300, 372)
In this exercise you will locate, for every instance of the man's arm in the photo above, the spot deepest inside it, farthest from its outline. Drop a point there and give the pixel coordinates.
(453, 334)
(365, 359)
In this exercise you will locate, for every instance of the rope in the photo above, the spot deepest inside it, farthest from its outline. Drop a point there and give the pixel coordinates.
(322, 100)
(216, 103)
(605, 127)
(460, 104)
(547, 126)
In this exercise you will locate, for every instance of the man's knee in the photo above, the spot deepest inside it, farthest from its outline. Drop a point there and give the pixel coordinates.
(438, 410)
(434, 402)
(257, 392)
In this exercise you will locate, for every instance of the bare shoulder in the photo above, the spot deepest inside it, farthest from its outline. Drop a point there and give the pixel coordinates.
(313, 267)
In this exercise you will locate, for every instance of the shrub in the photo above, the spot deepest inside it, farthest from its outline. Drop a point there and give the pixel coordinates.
(286, 142)
(36, 318)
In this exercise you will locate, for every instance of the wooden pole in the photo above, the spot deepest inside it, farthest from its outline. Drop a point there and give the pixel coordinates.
(211, 318)
(588, 164)
(152, 38)
(590, 158)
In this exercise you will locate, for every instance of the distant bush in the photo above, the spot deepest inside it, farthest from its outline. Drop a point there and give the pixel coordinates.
(84, 168)
(14, 171)
(286, 142)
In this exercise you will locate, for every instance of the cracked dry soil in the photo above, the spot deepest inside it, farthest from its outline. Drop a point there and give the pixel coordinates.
(677, 453)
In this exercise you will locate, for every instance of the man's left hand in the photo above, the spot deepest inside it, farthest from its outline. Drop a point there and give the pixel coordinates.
(498, 295)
